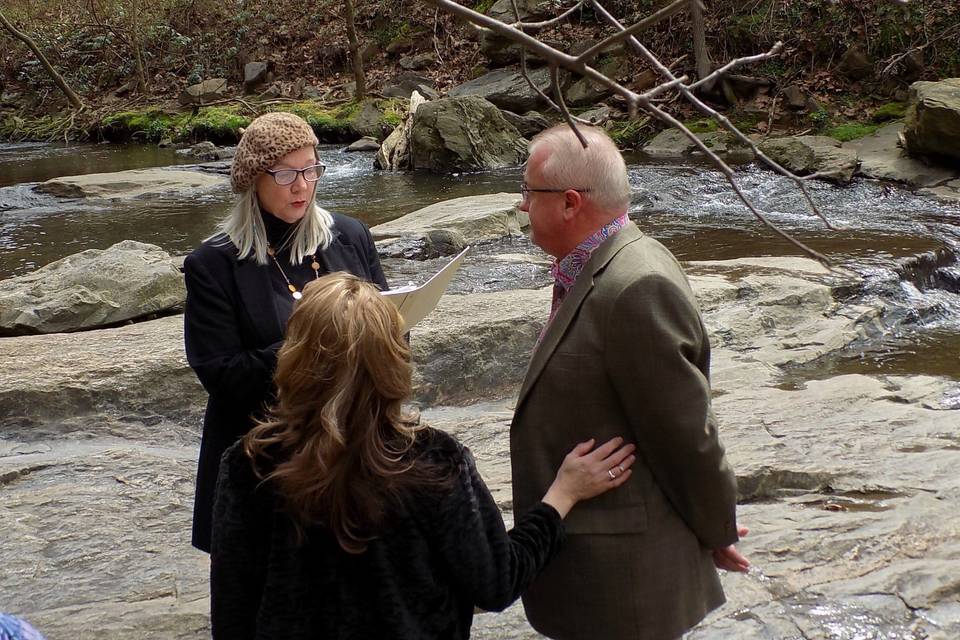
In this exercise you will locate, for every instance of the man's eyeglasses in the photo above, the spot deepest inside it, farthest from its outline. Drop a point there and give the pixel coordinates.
(283, 177)
(525, 191)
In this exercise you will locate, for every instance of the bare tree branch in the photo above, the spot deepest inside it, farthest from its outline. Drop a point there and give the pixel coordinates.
(676, 7)
(559, 60)
(536, 26)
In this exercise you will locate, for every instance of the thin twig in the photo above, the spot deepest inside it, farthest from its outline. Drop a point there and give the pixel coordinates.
(721, 119)
(649, 21)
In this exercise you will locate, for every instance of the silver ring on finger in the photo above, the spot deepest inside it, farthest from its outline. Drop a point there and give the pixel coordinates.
(620, 466)
(612, 475)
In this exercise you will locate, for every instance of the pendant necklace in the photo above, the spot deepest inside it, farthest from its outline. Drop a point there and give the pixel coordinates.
(293, 289)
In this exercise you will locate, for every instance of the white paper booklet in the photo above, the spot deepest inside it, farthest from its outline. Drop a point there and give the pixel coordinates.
(414, 303)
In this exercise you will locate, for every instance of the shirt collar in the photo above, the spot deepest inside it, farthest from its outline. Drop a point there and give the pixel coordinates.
(566, 270)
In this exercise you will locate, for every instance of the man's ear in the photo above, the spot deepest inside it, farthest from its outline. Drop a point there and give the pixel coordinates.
(572, 203)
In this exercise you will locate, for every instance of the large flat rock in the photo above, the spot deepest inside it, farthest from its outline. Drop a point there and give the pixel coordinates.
(129, 184)
(472, 219)
(882, 158)
(91, 289)
(848, 484)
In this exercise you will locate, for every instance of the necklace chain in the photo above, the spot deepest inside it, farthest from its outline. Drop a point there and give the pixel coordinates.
(293, 289)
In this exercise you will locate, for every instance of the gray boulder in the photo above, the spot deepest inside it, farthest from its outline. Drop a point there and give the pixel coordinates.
(204, 92)
(208, 152)
(671, 143)
(502, 10)
(403, 85)
(856, 64)
(366, 143)
(473, 218)
(464, 133)
(91, 289)
(256, 75)
(805, 155)
(417, 61)
(370, 121)
(882, 158)
(507, 88)
(529, 124)
(134, 183)
(932, 125)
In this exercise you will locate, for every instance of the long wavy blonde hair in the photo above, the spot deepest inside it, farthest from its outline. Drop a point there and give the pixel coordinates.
(335, 444)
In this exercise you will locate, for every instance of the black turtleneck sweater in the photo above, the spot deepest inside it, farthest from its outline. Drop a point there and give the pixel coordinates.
(279, 235)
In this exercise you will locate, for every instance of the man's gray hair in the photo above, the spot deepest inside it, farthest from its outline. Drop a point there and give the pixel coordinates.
(599, 168)
(244, 227)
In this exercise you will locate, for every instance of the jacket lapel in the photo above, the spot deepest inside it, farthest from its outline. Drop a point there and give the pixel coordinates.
(571, 304)
(253, 281)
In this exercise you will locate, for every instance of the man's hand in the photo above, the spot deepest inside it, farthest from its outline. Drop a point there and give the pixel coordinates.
(729, 558)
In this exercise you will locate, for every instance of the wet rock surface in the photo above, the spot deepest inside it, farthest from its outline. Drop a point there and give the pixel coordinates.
(92, 289)
(135, 183)
(848, 484)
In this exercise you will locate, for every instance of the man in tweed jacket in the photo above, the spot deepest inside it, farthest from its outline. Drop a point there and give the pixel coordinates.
(624, 353)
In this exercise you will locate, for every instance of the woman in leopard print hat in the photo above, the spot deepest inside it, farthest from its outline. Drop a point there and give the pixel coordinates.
(243, 282)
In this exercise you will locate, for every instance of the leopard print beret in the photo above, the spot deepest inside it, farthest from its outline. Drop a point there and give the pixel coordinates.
(267, 139)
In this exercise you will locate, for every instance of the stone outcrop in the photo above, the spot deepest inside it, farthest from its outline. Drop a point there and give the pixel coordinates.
(507, 88)
(403, 85)
(366, 143)
(469, 220)
(91, 289)
(256, 76)
(463, 134)
(933, 119)
(848, 484)
(134, 183)
(204, 92)
(805, 155)
(502, 10)
(529, 124)
(882, 158)
(394, 153)
(671, 143)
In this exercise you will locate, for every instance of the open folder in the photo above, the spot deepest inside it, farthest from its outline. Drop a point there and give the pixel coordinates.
(414, 303)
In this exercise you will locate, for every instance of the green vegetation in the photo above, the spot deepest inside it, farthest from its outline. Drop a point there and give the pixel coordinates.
(820, 119)
(217, 124)
(851, 130)
(629, 134)
(890, 111)
(705, 125)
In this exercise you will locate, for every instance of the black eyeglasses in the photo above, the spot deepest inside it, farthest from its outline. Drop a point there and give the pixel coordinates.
(283, 177)
(525, 191)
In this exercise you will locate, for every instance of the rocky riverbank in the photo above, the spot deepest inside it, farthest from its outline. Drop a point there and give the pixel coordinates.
(848, 483)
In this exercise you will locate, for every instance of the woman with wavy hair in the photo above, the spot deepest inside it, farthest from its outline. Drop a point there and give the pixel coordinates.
(336, 518)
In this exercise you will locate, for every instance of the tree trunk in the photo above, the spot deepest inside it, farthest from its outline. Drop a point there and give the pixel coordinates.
(142, 85)
(71, 95)
(701, 55)
(358, 74)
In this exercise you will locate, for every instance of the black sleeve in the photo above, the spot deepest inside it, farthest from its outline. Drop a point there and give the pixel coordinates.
(227, 370)
(488, 564)
(237, 557)
(373, 260)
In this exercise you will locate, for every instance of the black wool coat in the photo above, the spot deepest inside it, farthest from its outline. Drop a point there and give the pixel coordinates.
(441, 551)
(233, 328)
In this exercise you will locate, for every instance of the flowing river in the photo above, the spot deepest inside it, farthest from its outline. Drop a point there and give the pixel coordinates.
(907, 246)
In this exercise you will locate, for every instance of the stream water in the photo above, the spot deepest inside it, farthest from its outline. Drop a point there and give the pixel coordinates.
(906, 246)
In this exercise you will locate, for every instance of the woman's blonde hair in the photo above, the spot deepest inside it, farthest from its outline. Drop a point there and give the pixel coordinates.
(244, 227)
(335, 445)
